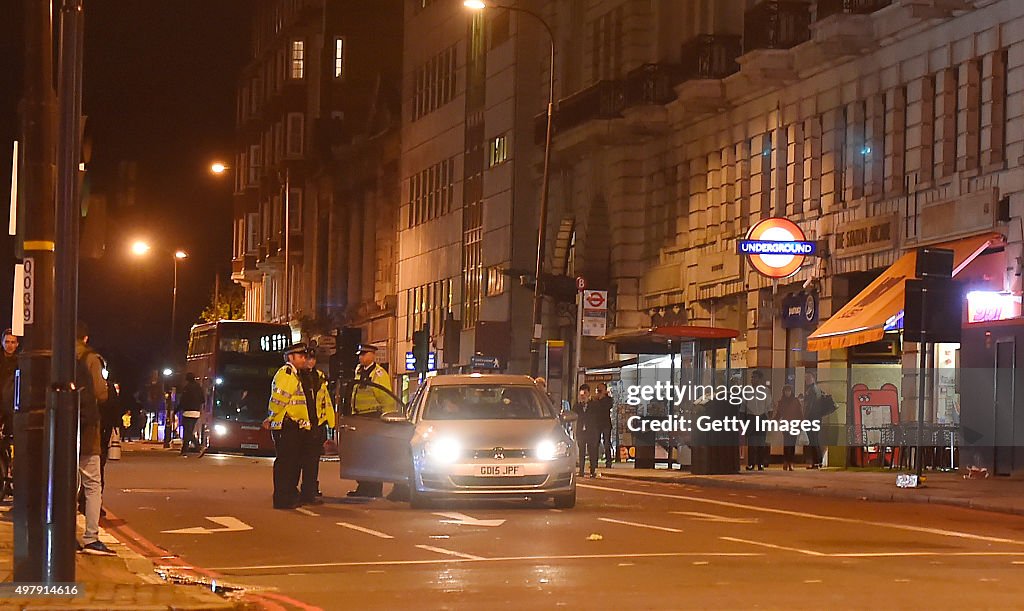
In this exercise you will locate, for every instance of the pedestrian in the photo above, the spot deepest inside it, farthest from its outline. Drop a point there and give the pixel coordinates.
(368, 401)
(8, 365)
(89, 378)
(321, 416)
(585, 431)
(126, 425)
(757, 409)
(789, 410)
(190, 404)
(812, 411)
(602, 418)
(288, 419)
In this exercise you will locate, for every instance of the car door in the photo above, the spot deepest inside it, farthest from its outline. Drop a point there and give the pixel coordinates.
(375, 447)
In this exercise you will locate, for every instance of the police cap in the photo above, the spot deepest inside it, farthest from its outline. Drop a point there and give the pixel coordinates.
(296, 348)
(366, 348)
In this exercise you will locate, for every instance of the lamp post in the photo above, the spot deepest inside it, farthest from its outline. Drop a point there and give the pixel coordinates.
(542, 220)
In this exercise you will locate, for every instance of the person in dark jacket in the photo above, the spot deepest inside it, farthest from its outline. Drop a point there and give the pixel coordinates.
(788, 409)
(601, 406)
(8, 365)
(89, 378)
(190, 404)
(585, 431)
(812, 411)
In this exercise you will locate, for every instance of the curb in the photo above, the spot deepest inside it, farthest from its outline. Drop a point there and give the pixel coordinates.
(885, 497)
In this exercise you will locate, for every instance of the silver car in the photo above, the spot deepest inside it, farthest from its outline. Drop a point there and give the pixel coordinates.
(476, 435)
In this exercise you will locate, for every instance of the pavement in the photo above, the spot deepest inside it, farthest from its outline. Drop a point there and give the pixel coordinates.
(1002, 494)
(125, 581)
(627, 544)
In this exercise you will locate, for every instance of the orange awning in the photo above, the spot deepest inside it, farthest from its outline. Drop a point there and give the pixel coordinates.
(863, 318)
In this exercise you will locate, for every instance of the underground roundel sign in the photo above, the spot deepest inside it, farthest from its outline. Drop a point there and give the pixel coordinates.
(776, 247)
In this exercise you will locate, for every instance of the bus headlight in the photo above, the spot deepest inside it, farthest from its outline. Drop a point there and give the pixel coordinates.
(220, 430)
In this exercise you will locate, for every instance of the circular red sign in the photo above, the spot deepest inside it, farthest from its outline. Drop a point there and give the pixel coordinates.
(595, 299)
(776, 229)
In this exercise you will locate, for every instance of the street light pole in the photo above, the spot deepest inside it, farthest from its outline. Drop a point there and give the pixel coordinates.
(542, 220)
(287, 244)
(174, 300)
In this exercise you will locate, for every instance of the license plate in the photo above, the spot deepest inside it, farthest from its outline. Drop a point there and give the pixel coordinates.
(499, 470)
(250, 446)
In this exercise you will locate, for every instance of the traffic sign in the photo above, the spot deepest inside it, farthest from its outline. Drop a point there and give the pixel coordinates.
(484, 362)
(581, 283)
(410, 361)
(595, 300)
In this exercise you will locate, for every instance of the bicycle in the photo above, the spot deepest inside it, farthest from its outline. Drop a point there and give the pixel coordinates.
(6, 464)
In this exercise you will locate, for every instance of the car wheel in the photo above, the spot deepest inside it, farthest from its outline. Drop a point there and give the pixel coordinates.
(416, 499)
(567, 500)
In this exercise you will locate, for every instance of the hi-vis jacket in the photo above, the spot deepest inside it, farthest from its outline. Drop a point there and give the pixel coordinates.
(287, 399)
(367, 399)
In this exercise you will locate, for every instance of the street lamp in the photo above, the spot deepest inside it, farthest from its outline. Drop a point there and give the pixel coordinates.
(218, 168)
(141, 248)
(542, 220)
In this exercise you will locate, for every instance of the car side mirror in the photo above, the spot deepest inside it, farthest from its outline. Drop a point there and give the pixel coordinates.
(568, 417)
(393, 417)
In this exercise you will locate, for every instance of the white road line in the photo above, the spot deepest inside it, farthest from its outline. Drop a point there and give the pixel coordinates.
(448, 552)
(806, 552)
(666, 529)
(375, 533)
(307, 512)
(800, 514)
(710, 517)
(315, 565)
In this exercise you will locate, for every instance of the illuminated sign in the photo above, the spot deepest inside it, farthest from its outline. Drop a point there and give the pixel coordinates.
(410, 361)
(988, 306)
(776, 247)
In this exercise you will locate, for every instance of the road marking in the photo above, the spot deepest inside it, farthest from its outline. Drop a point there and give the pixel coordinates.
(229, 523)
(901, 580)
(710, 517)
(664, 528)
(448, 552)
(800, 514)
(375, 533)
(812, 581)
(701, 563)
(806, 552)
(307, 512)
(463, 520)
(317, 565)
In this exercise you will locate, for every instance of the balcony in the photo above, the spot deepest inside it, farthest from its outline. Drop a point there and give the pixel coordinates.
(602, 100)
(776, 24)
(710, 56)
(827, 8)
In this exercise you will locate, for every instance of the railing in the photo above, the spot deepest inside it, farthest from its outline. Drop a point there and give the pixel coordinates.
(603, 100)
(652, 84)
(827, 8)
(710, 56)
(776, 24)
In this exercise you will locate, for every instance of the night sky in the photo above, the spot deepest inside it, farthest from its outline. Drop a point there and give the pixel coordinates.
(159, 91)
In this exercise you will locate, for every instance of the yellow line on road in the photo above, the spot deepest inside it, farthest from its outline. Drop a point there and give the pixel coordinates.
(806, 552)
(811, 516)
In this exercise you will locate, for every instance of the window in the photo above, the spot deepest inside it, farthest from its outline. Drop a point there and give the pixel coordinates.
(434, 83)
(298, 59)
(295, 209)
(252, 225)
(431, 192)
(428, 304)
(495, 281)
(257, 94)
(253, 174)
(278, 141)
(339, 57)
(296, 125)
(497, 151)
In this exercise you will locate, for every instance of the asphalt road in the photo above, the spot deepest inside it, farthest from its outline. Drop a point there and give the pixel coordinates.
(626, 545)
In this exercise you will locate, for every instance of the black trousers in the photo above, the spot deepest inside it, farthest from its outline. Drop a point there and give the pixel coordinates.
(813, 448)
(587, 444)
(757, 449)
(311, 447)
(288, 445)
(188, 434)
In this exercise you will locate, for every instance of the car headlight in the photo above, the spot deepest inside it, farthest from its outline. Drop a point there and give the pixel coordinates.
(444, 450)
(550, 450)
(220, 430)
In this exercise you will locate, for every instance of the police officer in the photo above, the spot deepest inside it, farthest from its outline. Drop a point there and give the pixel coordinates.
(290, 417)
(370, 401)
(321, 412)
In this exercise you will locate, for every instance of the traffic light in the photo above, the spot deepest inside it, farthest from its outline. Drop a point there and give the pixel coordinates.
(452, 339)
(421, 347)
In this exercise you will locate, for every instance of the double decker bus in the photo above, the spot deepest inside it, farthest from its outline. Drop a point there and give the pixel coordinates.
(234, 362)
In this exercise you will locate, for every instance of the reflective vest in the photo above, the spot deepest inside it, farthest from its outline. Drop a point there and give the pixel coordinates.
(288, 400)
(367, 399)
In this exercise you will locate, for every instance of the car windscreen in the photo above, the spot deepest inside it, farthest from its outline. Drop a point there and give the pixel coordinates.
(242, 402)
(485, 402)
